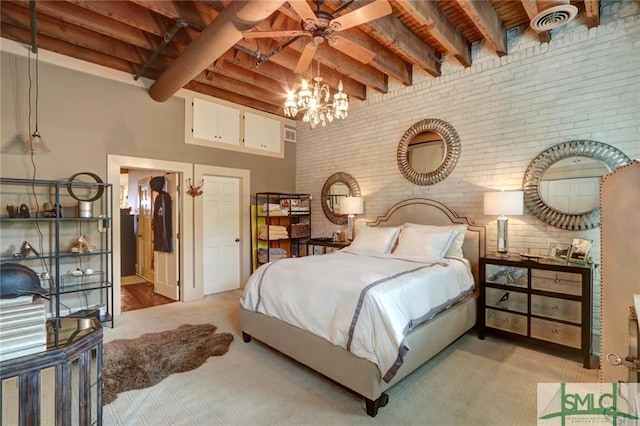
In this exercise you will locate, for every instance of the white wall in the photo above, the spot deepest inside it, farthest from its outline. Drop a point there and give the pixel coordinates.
(584, 84)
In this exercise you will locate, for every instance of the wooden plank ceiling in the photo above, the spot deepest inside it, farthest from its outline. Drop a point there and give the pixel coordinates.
(144, 38)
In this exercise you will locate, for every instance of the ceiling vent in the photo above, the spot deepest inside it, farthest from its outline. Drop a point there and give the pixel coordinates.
(553, 14)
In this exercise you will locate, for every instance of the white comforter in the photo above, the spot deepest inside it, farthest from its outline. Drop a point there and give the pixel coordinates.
(363, 303)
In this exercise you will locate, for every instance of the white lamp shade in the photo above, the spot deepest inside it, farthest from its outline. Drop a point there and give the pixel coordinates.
(504, 203)
(351, 205)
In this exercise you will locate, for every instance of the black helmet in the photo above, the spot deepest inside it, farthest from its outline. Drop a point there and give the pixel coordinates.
(18, 280)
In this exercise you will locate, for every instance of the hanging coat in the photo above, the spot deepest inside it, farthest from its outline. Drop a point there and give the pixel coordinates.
(162, 217)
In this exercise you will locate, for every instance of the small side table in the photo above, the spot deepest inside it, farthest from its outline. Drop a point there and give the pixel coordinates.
(324, 246)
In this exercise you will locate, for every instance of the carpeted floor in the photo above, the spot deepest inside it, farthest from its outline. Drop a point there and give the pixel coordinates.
(472, 382)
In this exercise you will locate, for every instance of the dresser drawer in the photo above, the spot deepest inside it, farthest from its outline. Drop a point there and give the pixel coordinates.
(567, 335)
(506, 275)
(552, 307)
(556, 281)
(506, 299)
(506, 321)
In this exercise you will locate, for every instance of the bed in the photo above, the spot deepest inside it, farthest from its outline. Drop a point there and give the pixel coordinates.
(360, 375)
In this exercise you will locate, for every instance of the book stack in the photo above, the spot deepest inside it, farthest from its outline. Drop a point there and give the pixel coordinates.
(23, 327)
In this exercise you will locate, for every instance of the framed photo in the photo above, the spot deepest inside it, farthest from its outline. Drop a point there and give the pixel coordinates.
(579, 252)
(559, 252)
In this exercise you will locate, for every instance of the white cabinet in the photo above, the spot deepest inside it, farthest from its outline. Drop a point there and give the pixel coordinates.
(215, 122)
(262, 133)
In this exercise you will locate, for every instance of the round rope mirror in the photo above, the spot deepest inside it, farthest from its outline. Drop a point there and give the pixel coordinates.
(446, 149)
(534, 185)
(337, 185)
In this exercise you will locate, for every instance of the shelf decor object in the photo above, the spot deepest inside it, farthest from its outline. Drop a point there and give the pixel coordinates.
(501, 204)
(351, 206)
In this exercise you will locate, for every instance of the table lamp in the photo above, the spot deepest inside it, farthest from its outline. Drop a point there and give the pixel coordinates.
(501, 204)
(351, 206)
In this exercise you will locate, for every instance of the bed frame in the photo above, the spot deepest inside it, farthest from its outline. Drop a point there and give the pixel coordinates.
(358, 374)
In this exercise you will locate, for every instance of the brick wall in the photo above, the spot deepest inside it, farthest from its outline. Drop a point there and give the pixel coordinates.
(584, 84)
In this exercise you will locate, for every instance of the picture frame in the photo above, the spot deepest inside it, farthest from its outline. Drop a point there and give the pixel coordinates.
(579, 252)
(559, 252)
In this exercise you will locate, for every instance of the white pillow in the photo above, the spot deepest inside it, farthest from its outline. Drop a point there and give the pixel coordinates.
(424, 243)
(375, 240)
(456, 247)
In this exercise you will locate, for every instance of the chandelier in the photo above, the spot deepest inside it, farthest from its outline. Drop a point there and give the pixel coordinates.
(314, 101)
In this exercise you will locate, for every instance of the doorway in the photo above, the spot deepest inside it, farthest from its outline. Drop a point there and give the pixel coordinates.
(147, 277)
(191, 222)
(115, 163)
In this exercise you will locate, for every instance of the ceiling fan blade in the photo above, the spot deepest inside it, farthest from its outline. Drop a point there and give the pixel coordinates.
(375, 10)
(303, 10)
(305, 58)
(274, 34)
(352, 49)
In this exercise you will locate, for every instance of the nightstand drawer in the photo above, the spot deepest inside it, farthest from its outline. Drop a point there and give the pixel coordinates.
(506, 299)
(552, 307)
(506, 275)
(506, 321)
(563, 334)
(556, 281)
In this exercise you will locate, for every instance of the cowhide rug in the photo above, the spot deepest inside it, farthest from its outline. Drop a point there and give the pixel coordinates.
(144, 361)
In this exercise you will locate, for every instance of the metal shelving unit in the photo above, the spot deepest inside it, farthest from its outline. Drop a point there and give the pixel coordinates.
(56, 237)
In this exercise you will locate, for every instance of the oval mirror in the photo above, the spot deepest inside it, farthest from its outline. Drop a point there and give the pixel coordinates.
(428, 151)
(562, 184)
(337, 185)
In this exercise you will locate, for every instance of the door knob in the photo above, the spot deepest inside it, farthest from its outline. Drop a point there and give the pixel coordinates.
(237, 240)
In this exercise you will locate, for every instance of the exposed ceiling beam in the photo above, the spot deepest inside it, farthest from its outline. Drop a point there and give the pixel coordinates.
(435, 21)
(592, 9)
(23, 35)
(391, 32)
(531, 7)
(486, 20)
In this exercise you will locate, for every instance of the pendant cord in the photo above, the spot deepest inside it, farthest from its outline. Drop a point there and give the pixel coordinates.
(37, 90)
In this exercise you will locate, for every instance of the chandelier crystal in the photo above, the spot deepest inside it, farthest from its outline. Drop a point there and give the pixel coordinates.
(314, 101)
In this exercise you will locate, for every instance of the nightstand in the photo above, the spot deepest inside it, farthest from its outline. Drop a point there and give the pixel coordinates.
(324, 246)
(543, 302)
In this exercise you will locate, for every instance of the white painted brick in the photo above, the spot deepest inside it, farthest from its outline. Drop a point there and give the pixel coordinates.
(584, 84)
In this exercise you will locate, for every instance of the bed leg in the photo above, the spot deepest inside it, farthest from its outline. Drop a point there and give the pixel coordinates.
(373, 406)
(246, 337)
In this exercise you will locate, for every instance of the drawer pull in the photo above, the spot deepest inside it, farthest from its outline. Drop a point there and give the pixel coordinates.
(555, 307)
(505, 321)
(556, 280)
(554, 331)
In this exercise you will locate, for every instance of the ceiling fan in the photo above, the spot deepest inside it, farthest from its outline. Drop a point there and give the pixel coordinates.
(322, 26)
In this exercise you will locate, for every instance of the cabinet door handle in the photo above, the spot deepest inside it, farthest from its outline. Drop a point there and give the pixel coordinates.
(237, 240)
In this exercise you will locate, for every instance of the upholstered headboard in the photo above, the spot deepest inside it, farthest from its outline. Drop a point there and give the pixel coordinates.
(431, 212)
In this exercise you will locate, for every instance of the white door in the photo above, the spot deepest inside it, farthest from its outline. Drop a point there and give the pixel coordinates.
(166, 265)
(144, 243)
(221, 234)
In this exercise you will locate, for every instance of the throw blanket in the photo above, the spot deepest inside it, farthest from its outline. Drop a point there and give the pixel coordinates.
(363, 303)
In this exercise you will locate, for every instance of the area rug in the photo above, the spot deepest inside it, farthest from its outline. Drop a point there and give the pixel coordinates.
(144, 361)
